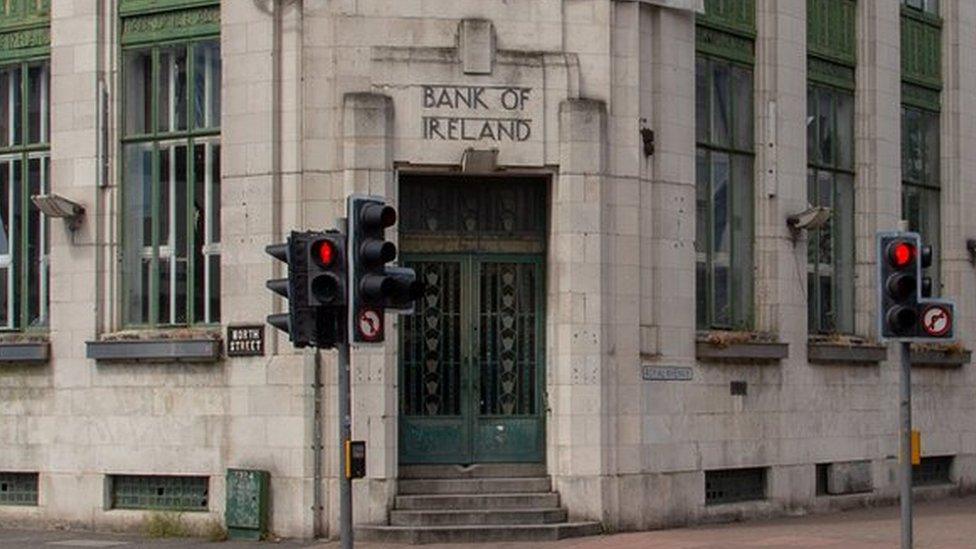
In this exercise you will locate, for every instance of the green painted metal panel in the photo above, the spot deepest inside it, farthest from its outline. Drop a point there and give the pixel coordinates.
(20, 14)
(170, 25)
(130, 7)
(921, 49)
(246, 513)
(737, 16)
(471, 360)
(831, 30)
(920, 96)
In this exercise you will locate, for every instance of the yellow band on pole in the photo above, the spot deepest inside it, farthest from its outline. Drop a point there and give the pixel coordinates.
(916, 447)
(348, 449)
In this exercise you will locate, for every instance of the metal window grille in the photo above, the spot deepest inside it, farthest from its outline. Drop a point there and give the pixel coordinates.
(733, 485)
(173, 493)
(18, 488)
(932, 471)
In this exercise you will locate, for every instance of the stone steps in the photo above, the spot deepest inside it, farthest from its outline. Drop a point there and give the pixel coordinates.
(500, 485)
(475, 517)
(433, 502)
(477, 503)
(477, 471)
(476, 534)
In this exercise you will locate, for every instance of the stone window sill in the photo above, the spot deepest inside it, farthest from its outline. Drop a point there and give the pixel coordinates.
(183, 346)
(939, 356)
(740, 347)
(25, 352)
(845, 352)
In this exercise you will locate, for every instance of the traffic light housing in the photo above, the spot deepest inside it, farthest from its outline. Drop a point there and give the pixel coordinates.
(298, 322)
(906, 312)
(315, 288)
(374, 286)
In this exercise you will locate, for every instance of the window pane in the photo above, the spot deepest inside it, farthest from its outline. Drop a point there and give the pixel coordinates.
(17, 214)
(172, 220)
(138, 96)
(37, 103)
(742, 238)
(137, 226)
(825, 194)
(35, 175)
(812, 139)
(722, 103)
(10, 92)
(701, 295)
(702, 191)
(172, 89)
(206, 85)
(742, 90)
(912, 143)
(812, 236)
(702, 100)
(825, 128)
(720, 203)
(930, 130)
(843, 223)
(845, 131)
(214, 183)
(721, 245)
(214, 276)
(8, 178)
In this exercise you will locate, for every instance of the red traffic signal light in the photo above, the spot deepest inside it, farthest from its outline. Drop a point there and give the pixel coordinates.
(324, 253)
(901, 254)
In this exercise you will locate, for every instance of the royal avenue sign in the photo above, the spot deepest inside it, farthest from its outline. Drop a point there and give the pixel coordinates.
(476, 113)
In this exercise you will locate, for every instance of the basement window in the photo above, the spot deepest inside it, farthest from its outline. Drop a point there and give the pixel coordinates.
(932, 471)
(735, 485)
(18, 489)
(158, 492)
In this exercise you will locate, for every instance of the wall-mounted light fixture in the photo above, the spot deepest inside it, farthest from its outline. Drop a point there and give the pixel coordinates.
(55, 205)
(809, 219)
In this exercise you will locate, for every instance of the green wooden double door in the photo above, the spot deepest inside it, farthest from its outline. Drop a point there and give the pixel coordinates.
(472, 361)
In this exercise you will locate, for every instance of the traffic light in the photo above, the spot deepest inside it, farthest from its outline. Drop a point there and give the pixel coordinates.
(298, 322)
(905, 310)
(315, 288)
(326, 269)
(373, 286)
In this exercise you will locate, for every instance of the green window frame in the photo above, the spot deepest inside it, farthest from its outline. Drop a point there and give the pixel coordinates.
(724, 193)
(924, 6)
(832, 57)
(921, 186)
(24, 171)
(830, 183)
(170, 150)
(921, 89)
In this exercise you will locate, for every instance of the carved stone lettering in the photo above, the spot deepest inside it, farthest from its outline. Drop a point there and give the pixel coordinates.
(475, 113)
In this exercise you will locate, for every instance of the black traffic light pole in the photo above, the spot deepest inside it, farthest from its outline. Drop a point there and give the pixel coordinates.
(345, 434)
(905, 450)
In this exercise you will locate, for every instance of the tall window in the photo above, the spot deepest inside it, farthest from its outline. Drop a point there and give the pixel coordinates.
(24, 168)
(921, 64)
(831, 43)
(171, 183)
(724, 168)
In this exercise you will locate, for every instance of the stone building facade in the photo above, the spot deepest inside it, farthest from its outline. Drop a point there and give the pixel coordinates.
(552, 160)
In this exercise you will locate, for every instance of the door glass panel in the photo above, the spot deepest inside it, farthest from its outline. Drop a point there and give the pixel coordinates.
(507, 343)
(430, 345)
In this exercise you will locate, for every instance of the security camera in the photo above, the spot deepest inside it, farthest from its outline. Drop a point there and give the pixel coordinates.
(809, 219)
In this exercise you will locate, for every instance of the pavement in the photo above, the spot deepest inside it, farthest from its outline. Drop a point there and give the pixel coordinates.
(943, 524)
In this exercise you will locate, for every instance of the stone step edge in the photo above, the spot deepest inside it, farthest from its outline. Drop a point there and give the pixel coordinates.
(473, 527)
(480, 510)
(479, 494)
